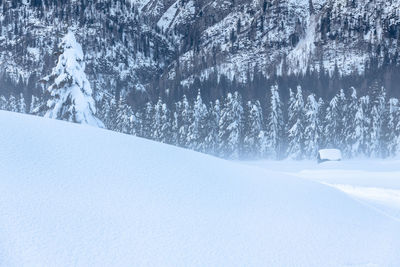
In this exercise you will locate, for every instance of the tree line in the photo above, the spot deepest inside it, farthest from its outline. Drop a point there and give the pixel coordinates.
(366, 126)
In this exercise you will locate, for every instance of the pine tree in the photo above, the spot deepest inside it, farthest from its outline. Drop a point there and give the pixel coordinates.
(137, 122)
(275, 125)
(312, 127)
(230, 127)
(357, 144)
(252, 129)
(391, 132)
(70, 92)
(365, 110)
(186, 121)
(197, 129)
(12, 104)
(176, 123)
(335, 126)
(377, 116)
(351, 133)
(166, 126)
(212, 141)
(108, 112)
(296, 125)
(147, 128)
(124, 119)
(322, 124)
(21, 106)
(157, 123)
(3, 103)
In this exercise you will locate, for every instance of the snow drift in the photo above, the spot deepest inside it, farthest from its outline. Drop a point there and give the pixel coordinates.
(73, 195)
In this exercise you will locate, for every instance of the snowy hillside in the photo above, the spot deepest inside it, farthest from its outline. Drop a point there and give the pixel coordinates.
(73, 195)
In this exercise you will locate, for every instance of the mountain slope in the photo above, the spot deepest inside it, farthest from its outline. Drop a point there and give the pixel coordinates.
(76, 195)
(142, 50)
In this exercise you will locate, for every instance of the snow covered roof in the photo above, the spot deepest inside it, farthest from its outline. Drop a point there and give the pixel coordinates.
(330, 154)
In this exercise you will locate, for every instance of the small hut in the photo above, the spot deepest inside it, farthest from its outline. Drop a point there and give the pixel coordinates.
(329, 155)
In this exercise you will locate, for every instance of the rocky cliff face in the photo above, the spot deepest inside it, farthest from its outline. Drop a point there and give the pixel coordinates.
(148, 48)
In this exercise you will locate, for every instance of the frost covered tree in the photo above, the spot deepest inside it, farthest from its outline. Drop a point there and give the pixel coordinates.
(364, 119)
(321, 120)
(70, 92)
(186, 121)
(3, 103)
(157, 123)
(21, 105)
(335, 126)
(176, 123)
(391, 132)
(12, 104)
(296, 125)
(108, 112)
(147, 121)
(377, 120)
(230, 127)
(137, 123)
(166, 125)
(162, 123)
(212, 141)
(312, 127)
(197, 130)
(124, 119)
(275, 125)
(351, 133)
(252, 129)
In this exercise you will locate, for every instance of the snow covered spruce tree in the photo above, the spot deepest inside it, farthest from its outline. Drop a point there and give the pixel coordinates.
(392, 132)
(321, 120)
(21, 106)
(365, 125)
(312, 130)
(230, 127)
(197, 131)
(357, 138)
(161, 123)
(275, 125)
(185, 122)
(70, 92)
(212, 141)
(147, 127)
(252, 130)
(12, 104)
(377, 116)
(176, 123)
(3, 103)
(296, 125)
(335, 121)
(166, 125)
(108, 112)
(125, 118)
(351, 132)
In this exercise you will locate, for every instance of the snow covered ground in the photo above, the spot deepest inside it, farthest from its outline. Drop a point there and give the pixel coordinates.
(375, 183)
(73, 195)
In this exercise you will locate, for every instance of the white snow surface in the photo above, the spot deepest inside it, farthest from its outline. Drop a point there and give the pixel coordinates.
(74, 195)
